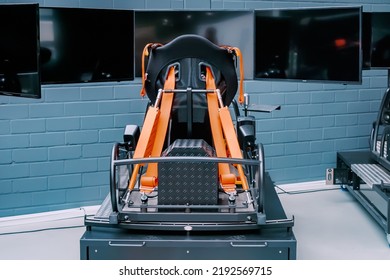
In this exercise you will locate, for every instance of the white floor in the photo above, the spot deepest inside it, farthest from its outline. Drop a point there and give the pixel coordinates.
(329, 225)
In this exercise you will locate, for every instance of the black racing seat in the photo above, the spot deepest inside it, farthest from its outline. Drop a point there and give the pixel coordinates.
(191, 54)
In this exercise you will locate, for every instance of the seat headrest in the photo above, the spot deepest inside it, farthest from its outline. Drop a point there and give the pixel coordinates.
(199, 50)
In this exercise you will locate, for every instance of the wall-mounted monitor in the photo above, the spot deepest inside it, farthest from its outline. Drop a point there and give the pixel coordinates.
(86, 45)
(19, 50)
(234, 28)
(309, 44)
(380, 40)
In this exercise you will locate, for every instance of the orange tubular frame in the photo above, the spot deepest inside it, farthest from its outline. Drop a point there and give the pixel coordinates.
(155, 126)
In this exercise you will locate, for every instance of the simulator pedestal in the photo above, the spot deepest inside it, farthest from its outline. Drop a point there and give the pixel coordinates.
(273, 241)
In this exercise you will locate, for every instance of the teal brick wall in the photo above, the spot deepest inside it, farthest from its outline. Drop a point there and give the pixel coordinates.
(55, 151)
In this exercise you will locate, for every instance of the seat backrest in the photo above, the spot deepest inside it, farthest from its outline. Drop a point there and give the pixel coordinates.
(191, 54)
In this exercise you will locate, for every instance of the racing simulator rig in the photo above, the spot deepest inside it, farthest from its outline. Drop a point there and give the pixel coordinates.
(191, 184)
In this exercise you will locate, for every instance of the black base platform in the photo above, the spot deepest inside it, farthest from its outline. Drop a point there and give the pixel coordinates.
(273, 241)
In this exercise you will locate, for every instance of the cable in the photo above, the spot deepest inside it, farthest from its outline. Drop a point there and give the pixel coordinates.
(39, 230)
(303, 191)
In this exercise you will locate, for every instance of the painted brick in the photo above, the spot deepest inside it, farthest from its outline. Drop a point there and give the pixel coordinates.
(310, 87)
(14, 141)
(6, 213)
(259, 5)
(322, 97)
(318, 171)
(158, 4)
(379, 82)
(286, 111)
(310, 109)
(48, 197)
(345, 120)
(177, 4)
(137, 106)
(27, 1)
(46, 168)
(10, 171)
(329, 158)
(81, 194)
(335, 132)
(117, 106)
(309, 159)
(97, 150)
(322, 121)
(95, 179)
(61, 94)
(6, 187)
(370, 94)
(126, 4)
(81, 137)
(216, 4)
(284, 161)
(96, 4)
(321, 146)
(104, 191)
(111, 135)
(274, 150)
(127, 92)
(284, 136)
(310, 134)
(97, 93)
(63, 124)
(233, 5)
(29, 155)
(12, 112)
(334, 109)
(297, 123)
(81, 108)
(97, 122)
(334, 86)
(15, 200)
(65, 181)
(374, 106)
(270, 125)
(47, 139)
(363, 142)
(346, 95)
(360, 130)
(28, 126)
(5, 127)
(46, 110)
(367, 118)
(297, 98)
(297, 148)
(121, 121)
(61, 3)
(284, 87)
(271, 99)
(197, 4)
(346, 144)
(80, 165)
(358, 107)
(64, 152)
(31, 184)
(104, 164)
(5, 156)
(257, 87)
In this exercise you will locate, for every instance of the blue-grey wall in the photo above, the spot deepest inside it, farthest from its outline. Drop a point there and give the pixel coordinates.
(55, 152)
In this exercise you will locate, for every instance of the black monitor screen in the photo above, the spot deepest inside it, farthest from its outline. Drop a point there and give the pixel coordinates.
(234, 28)
(380, 40)
(19, 50)
(310, 44)
(86, 45)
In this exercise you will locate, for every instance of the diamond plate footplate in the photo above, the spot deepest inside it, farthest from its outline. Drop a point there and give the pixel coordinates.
(191, 183)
